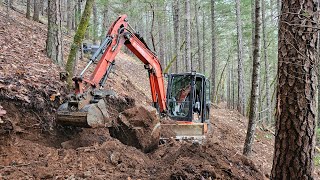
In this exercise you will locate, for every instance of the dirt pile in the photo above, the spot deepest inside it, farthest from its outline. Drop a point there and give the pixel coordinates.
(138, 127)
(209, 160)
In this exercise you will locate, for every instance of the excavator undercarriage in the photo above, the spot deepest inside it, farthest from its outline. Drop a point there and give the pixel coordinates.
(183, 108)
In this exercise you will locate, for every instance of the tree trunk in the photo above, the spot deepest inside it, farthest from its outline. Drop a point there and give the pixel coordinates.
(229, 87)
(95, 23)
(54, 36)
(36, 12)
(28, 14)
(188, 61)
(253, 22)
(152, 28)
(8, 8)
(176, 32)
(203, 44)
(161, 41)
(78, 38)
(241, 96)
(296, 106)
(65, 8)
(76, 22)
(79, 10)
(197, 7)
(73, 12)
(41, 7)
(271, 9)
(255, 83)
(232, 85)
(278, 8)
(318, 66)
(69, 15)
(266, 64)
(104, 22)
(213, 45)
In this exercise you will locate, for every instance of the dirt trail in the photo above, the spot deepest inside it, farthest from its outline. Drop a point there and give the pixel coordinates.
(32, 146)
(229, 129)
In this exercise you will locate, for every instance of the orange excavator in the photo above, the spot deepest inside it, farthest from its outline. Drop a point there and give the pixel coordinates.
(186, 100)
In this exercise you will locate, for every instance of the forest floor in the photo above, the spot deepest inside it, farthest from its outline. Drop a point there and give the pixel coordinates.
(33, 146)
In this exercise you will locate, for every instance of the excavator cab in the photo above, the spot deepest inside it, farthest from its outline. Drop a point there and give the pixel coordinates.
(188, 97)
(188, 104)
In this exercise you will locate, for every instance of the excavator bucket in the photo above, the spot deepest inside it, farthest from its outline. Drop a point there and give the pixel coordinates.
(91, 115)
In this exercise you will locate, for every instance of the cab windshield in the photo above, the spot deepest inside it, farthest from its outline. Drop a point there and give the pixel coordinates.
(179, 97)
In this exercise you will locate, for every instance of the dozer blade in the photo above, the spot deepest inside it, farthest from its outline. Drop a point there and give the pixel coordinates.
(184, 131)
(91, 115)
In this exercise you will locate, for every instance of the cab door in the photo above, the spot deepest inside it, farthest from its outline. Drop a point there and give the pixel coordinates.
(180, 96)
(207, 100)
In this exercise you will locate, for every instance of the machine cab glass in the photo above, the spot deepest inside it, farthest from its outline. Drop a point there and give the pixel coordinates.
(186, 97)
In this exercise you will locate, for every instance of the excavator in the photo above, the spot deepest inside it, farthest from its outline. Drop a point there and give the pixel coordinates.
(186, 100)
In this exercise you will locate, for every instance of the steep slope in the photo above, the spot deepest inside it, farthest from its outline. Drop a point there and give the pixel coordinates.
(32, 146)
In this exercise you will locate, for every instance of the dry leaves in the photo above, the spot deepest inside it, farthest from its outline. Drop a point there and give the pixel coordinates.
(27, 76)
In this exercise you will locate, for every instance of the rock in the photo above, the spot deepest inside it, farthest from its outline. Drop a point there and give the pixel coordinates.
(87, 174)
(115, 158)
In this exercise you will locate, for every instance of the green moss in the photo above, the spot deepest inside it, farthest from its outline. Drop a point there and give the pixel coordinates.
(78, 38)
(318, 135)
(316, 160)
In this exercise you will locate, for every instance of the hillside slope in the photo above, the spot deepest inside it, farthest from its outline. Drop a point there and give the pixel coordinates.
(32, 146)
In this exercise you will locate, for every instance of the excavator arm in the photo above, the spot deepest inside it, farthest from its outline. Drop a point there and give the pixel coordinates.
(118, 35)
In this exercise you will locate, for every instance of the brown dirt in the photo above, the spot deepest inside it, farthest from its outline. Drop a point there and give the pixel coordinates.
(32, 146)
(137, 127)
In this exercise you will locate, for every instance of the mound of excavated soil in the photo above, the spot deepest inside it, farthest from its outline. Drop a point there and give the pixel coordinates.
(138, 127)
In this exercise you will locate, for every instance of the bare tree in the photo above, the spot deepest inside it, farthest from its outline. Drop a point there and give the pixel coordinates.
(266, 64)
(54, 36)
(161, 41)
(8, 2)
(241, 95)
(42, 7)
(176, 32)
(69, 15)
(229, 87)
(213, 45)
(28, 14)
(197, 7)
(188, 61)
(36, 12)
(105, 21)
(255, 83)
(296, 105)
(95, 23)
(203, 44)
(318, 65)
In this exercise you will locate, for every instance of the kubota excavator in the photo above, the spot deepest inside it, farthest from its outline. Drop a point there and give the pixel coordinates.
(186, 101)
